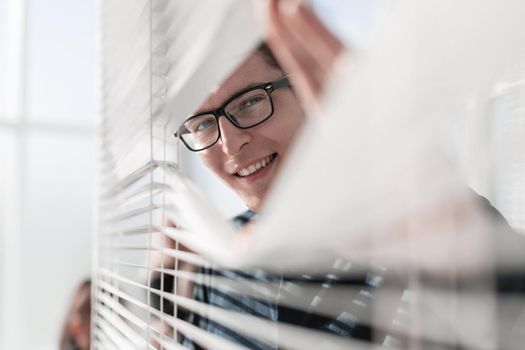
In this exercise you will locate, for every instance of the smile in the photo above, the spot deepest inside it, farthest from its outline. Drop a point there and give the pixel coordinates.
(256, 167)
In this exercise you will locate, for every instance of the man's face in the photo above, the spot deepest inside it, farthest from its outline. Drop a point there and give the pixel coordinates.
(248, 160)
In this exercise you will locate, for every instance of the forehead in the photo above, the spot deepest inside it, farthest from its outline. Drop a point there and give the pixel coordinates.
(254, 70)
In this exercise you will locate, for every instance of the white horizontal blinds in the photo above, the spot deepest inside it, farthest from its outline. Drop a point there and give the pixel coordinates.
(157, 65)
(126, 187)
(400, 201)
(189, 57)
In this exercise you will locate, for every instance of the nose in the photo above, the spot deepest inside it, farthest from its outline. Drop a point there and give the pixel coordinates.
(233, 139)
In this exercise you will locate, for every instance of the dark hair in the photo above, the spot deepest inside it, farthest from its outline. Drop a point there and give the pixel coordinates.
(267, 54)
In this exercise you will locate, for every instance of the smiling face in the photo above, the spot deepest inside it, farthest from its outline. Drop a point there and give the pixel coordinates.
(248, 160)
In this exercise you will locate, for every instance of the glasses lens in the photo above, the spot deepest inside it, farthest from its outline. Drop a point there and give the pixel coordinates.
(250, 108)
(200, 132)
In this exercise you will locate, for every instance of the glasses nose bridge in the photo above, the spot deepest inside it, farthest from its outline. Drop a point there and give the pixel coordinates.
(221, 112)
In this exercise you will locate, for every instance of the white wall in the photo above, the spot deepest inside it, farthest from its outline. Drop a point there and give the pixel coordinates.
(47, 158)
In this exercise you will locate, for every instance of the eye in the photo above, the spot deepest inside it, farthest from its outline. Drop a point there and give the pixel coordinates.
(205, 124)
(252, 101)
(200, 124)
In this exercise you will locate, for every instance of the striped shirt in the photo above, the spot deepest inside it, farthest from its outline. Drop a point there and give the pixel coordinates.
(356, 308)
(346, 324)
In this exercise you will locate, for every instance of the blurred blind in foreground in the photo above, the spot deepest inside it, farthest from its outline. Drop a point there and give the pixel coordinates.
(507, 138)
(383, 235)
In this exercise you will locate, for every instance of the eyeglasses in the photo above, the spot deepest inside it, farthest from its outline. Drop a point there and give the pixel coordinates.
(246, 109)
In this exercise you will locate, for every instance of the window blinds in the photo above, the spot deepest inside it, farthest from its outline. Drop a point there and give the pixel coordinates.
(155, 69)
(321, 262)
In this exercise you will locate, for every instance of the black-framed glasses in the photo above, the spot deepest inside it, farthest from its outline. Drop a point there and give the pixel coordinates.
(246, 109)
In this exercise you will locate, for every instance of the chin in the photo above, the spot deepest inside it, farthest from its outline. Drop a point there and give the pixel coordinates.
(252, 205)
(254, 202)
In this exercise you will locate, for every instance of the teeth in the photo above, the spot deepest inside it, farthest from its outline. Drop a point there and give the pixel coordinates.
(255, 167)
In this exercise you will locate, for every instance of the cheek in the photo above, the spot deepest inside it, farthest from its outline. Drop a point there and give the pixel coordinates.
(212, 161)
(289, 127)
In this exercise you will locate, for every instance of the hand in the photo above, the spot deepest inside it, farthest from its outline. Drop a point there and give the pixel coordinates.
(162, 260)
(303, 46)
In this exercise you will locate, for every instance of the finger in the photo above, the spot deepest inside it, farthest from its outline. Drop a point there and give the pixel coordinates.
(292, 56)
(304, 46)
(307, 29)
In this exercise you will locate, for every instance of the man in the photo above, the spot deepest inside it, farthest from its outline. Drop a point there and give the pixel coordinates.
(233, 149)
(243, 130)
(242, 133)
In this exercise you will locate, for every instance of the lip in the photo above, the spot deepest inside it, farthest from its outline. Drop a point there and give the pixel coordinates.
(259, 174)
